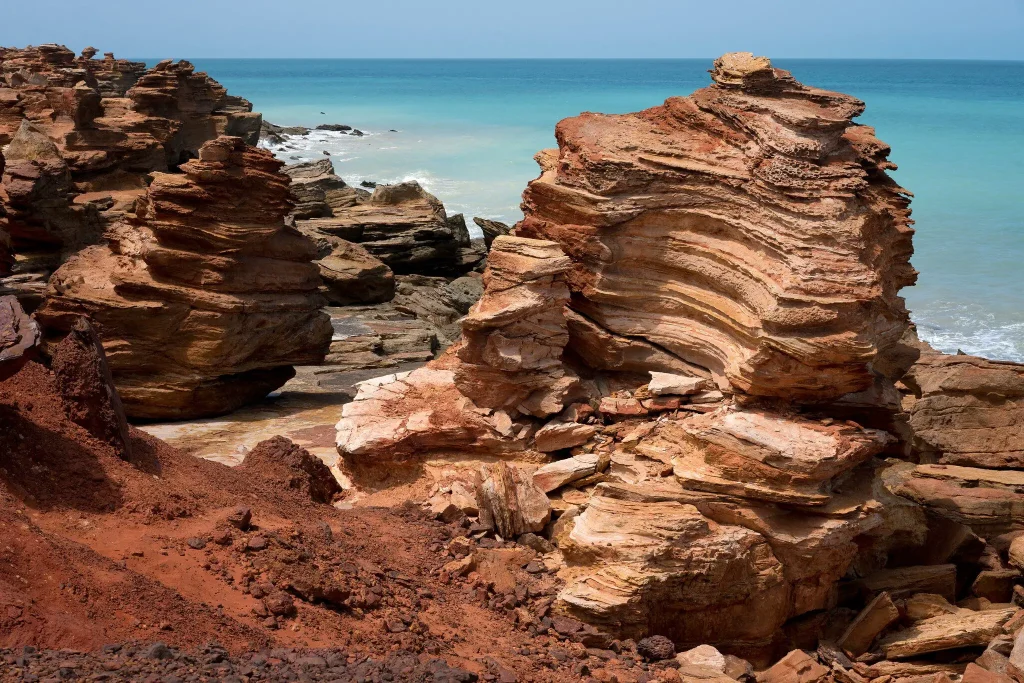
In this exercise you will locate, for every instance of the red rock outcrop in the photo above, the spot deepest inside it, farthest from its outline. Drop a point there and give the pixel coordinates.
(749, 229)
(204, 298)
(109, 123)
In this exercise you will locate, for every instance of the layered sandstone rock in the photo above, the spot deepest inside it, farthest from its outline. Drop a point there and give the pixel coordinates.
(204, 298)
(967, 410)
(108, 123)
(514, 336)
(403, 225)
(749, 229)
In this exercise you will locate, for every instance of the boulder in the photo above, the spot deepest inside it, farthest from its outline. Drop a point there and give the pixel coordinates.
(879, 614)
(352, 275)
(947, 632)
(204, 298)
(404, 226)
(967, 411)
(556, 436)
(663, 568)
(87, 388)
(19, 337)
(663, 383)
(749, 229)
(796, 667)
(491, 229)
(557, 474)
(509, 502)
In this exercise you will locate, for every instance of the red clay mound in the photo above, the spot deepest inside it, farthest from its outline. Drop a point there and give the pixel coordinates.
(98, 550)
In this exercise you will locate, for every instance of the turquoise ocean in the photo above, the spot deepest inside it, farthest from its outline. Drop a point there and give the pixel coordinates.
(467, 130)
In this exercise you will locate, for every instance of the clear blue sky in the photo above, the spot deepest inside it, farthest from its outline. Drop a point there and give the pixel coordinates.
(960, 29)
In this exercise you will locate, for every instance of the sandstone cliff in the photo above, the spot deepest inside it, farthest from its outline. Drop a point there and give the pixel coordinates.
(204, 298)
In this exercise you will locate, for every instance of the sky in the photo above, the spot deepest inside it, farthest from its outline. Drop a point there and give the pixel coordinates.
(903, 29)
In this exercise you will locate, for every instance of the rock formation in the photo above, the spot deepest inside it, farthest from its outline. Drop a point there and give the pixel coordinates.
(87, 387)
(19, 337)
(403, 225)
(696, 294)
(491, 229)
(204, 298)
(749, 229)
(82, 134)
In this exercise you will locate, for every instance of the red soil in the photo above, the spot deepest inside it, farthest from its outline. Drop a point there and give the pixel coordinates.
(95, 550)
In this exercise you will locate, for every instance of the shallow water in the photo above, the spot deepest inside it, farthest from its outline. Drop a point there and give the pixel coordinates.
(468, 129)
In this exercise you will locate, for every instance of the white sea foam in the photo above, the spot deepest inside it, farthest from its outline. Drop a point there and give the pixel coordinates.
(952, 327)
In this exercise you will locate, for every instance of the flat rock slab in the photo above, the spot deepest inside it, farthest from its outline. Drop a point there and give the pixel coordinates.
(965, 629)
(556, 436)
(561, 472)
(939, 579)
(872, 620)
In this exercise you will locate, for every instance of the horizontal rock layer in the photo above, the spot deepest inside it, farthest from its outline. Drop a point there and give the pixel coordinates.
(204, 298)
(749, 229)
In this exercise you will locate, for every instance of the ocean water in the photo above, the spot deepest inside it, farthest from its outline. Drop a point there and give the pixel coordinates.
(468, 129)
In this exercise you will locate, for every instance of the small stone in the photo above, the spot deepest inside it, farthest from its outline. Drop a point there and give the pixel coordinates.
(240, 518)
(656, 648)
(196, 543)
(256, 543)
(158, 651)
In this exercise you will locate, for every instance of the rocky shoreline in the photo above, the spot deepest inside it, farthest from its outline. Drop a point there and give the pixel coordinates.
(675, 425)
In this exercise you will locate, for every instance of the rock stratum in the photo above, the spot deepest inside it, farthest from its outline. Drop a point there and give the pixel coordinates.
(749, 230)
(694, 344)
(80, 136)
(203, 297)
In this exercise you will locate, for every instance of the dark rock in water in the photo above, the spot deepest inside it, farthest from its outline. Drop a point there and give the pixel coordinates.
(459, 230)
(87, 387)
(278, 134)
(280, 459)
(19, 337)
(368, 183)
(335, 127)
(491, 229)
(353, 275)
(357, 132)
(327, 153)
(392, 131)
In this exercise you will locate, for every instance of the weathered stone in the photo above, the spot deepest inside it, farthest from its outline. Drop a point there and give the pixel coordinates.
(902, 582)
(976, 674)
(921, 606)
(561, 472)
(556, 436)
(967, 410)
(87, 387)
(666, 383)
(491, 229)
(990, 501)
(749, 229)
(19, 337)
(703, 655)
(510, 502)
(661, 568)
(964, 629)
(205, 299)
(796, 667)
(514, 337)
(879, 614)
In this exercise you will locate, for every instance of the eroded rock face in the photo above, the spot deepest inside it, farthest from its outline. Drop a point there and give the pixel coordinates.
(204, 298)
(19, 337)
(514, 336)
(662, 567)
(85, 132)
(404, 226)
(87, 387)
(749, 229)
(967, 411)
